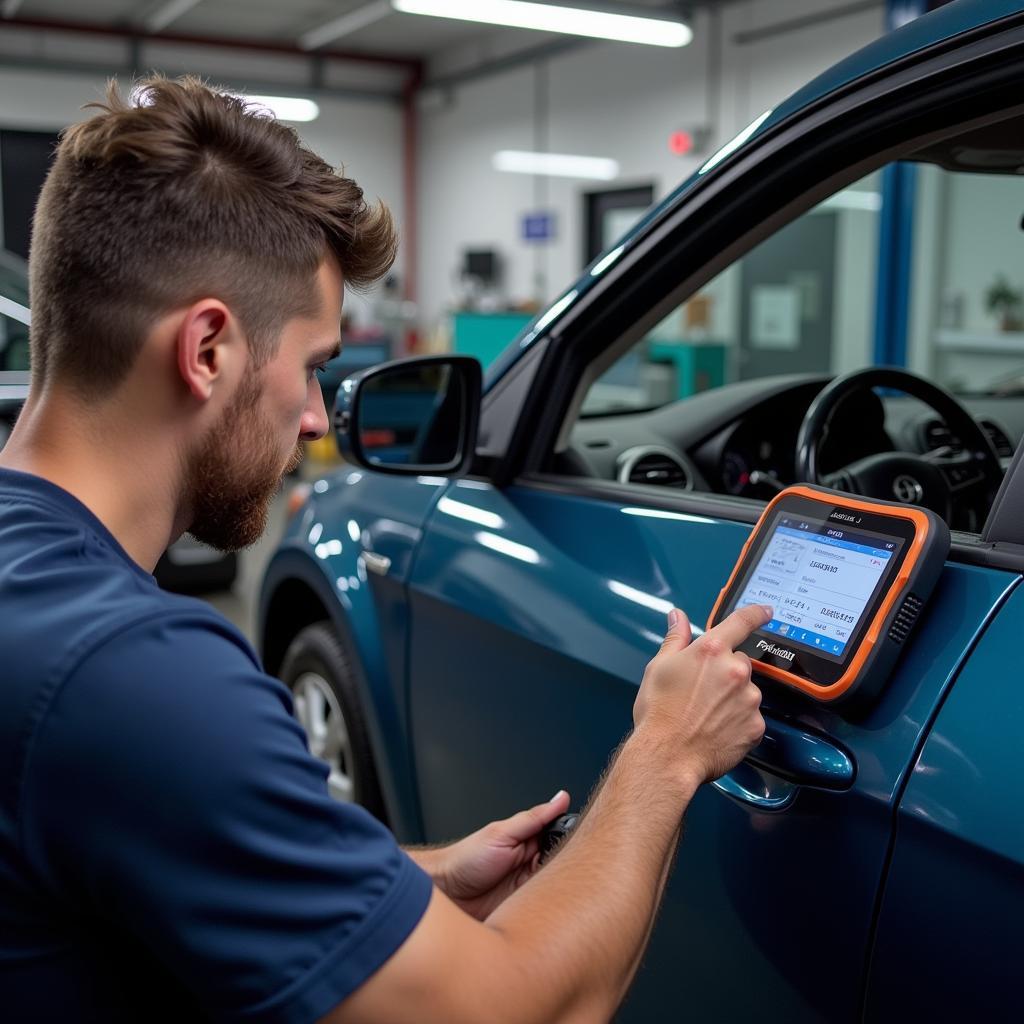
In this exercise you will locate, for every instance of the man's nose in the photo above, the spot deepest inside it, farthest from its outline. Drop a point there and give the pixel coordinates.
(314, 417)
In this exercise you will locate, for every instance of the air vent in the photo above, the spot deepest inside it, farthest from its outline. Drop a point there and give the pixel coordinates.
(655, 467)
(935, 434)
(1001, 443)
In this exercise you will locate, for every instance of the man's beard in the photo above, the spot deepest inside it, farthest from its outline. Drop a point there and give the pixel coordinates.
(233, 474)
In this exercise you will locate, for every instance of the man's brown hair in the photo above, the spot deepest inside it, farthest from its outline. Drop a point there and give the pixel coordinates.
(175, 193)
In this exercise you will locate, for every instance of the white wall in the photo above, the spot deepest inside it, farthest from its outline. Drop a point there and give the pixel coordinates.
(612, 100)
(364, 136)
(976, 220)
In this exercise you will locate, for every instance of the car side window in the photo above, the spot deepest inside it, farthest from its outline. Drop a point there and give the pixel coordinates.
(803, 300)
(800, 307)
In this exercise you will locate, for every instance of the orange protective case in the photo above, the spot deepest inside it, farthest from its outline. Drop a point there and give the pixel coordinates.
(871, 637)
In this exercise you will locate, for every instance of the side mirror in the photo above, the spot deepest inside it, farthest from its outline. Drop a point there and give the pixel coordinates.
(412, 416)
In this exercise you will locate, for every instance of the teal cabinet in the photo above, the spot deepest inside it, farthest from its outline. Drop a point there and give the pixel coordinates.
(486, 335)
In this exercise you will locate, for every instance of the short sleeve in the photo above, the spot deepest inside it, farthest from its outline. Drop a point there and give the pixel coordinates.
(169, 790)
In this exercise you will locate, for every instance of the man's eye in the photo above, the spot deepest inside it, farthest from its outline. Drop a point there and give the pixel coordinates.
(321, 368)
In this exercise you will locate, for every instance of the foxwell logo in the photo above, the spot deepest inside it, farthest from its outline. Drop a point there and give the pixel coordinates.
(779, 652)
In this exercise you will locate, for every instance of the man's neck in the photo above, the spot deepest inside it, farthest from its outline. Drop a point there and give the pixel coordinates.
(102, 460)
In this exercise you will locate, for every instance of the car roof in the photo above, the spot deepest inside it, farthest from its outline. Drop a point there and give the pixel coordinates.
(945, 23)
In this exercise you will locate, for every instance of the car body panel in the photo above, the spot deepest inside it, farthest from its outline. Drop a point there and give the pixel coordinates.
(956, 886)
(347, 514)
(556, 604)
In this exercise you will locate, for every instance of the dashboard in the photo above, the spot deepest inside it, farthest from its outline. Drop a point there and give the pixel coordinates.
(741, 439)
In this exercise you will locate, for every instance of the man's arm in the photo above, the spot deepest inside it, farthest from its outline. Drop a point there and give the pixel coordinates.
(480, 871)
(429, 858)
(564, 947)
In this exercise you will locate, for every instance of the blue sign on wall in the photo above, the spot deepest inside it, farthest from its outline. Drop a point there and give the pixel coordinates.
(538, 227)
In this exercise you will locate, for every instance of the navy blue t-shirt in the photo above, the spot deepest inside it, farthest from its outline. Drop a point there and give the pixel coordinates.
(168, 848)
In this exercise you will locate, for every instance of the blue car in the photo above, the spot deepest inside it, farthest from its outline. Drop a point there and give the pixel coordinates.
(465, 610)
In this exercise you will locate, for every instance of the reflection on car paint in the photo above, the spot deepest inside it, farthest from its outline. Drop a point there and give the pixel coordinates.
(504, 546)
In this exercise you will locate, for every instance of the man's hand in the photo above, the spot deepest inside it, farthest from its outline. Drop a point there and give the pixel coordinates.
(482, 870)
(578, 931)
(698, 694)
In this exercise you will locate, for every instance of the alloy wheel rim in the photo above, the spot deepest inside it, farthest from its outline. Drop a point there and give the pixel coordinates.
(318, 710)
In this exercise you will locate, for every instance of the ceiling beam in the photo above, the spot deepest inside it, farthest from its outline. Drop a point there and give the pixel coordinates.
(410, 64)
(248, 85)
(336, 28)
(166, 13)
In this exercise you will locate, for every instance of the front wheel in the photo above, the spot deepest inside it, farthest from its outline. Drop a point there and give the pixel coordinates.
(319, 674)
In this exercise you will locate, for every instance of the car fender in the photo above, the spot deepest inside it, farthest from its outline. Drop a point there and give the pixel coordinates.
(320, 571)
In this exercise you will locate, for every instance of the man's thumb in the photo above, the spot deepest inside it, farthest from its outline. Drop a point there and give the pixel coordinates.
(679, 633)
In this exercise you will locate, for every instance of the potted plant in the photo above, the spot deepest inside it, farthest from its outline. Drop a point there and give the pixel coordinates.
(1006, 302)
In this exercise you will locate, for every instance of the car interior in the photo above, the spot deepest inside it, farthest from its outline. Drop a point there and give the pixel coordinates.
(714, 397)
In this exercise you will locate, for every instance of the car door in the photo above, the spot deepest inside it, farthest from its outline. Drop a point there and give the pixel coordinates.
(554, 603)
(541, 591)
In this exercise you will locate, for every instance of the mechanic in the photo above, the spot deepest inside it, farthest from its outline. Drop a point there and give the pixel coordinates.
(168, 848)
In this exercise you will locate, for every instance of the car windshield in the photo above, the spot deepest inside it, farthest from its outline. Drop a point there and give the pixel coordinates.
(804, 299)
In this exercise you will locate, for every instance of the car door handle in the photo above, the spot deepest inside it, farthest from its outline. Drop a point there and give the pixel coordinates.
(802, 757)
(787, 758)
(379, 565)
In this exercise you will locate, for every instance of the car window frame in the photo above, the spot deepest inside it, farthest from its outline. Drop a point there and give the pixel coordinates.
(806, 157)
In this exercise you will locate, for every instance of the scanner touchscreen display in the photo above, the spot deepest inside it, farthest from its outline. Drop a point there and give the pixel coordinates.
(819, 578)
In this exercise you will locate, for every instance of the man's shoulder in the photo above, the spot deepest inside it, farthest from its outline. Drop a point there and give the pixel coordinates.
(167, 640)
(162, 619)
(175, 694)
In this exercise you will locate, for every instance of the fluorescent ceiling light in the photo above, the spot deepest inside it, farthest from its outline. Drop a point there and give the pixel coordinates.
(575, 21)
(559, 165)
(285, 108)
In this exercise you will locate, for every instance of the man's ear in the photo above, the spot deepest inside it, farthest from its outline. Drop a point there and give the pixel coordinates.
(203, 343)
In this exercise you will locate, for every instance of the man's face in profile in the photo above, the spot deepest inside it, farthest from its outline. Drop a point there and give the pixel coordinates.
(236, 469)
(236, 472)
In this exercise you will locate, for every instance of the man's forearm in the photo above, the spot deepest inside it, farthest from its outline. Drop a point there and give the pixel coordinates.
(564, 946)
(580, 927)
(431, 859)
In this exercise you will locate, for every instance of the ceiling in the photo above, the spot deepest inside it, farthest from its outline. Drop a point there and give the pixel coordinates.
(277, 23)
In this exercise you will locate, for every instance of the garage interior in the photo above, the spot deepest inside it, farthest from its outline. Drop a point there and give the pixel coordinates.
(450, 122)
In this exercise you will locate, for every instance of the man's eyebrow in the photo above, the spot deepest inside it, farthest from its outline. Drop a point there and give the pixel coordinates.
(325, 355)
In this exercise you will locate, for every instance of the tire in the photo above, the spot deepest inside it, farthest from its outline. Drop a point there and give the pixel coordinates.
(319, 674)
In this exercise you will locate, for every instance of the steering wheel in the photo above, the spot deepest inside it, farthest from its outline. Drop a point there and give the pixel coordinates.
(961, 484)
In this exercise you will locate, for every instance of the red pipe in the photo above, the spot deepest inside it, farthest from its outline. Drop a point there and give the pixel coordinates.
(410, 168)
(89, 28)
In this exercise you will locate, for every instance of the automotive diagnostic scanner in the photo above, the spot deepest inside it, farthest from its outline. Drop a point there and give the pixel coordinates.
(847, 578)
